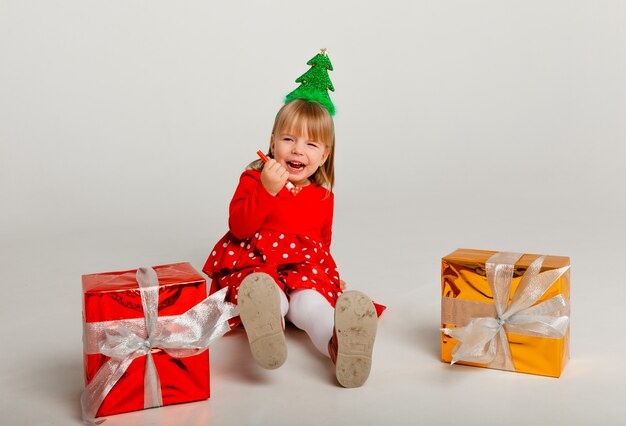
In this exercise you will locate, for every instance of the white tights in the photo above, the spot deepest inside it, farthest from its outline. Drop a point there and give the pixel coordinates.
(310, 311)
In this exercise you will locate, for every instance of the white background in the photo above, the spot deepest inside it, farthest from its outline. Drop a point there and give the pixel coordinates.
(124, 126)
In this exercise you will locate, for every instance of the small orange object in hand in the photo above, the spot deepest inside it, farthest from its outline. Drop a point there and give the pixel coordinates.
(290, 186)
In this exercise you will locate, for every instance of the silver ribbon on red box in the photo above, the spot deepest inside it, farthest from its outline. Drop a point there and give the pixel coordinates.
(124, 340)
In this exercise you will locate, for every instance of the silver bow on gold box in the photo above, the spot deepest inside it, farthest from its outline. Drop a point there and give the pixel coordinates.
(508, 311)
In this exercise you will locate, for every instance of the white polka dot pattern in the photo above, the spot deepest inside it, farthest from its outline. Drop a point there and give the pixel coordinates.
(290, 259)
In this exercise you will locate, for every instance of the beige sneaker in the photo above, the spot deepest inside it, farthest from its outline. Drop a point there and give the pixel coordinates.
(259, 308)
(355, 330)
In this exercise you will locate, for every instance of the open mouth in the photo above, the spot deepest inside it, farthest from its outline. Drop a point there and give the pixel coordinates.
(295, 165)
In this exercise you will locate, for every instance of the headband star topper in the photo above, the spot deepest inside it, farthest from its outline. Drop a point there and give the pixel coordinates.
(315, 83)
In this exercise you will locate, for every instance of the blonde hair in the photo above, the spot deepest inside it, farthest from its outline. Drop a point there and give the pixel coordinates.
(304, 117)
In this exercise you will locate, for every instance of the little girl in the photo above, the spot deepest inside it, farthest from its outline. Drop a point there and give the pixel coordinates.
(276, 258)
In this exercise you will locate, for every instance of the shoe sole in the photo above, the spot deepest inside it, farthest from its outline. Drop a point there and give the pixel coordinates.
(259, 310)
(355, 326)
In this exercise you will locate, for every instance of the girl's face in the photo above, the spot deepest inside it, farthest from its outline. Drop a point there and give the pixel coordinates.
(299, 155)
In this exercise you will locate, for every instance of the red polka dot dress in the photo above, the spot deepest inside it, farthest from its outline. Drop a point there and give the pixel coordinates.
(286, 236)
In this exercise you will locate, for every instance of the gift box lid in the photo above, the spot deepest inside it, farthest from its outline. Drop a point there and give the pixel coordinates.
(465, 255)
(175, 273)
(111, 296)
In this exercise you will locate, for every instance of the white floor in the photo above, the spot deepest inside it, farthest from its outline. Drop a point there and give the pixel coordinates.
(41, 361)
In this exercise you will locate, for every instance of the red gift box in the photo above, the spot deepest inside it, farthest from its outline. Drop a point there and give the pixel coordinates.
(116, 297)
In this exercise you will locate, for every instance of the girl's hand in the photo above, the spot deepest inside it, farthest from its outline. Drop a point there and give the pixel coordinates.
(342, 285)
(274, 176)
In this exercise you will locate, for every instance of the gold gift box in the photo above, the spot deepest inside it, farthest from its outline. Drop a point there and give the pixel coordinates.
(463, 276)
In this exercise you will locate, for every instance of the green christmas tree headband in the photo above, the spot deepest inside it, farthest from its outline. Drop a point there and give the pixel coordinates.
(315, 83)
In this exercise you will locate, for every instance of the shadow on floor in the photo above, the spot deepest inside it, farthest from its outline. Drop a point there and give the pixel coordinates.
(59, 380)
